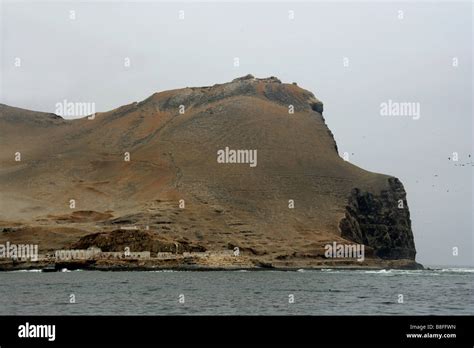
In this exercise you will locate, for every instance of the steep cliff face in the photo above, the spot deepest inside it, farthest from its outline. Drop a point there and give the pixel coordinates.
(381, 221)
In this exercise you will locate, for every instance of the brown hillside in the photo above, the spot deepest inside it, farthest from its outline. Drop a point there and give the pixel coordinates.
(174, 157)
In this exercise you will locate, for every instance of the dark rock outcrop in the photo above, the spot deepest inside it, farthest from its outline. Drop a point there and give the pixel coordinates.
(136, 240)
(380, 221)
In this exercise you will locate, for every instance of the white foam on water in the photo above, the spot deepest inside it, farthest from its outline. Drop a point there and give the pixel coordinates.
(410, 272)
(458, 270)
(382, 271)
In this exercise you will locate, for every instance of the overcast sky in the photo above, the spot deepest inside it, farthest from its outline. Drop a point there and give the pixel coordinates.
(402, 56)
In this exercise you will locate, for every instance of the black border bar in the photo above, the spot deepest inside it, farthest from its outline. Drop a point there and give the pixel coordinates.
(137, 331)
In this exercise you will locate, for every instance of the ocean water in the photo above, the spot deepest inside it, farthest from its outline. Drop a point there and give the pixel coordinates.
(446, 291)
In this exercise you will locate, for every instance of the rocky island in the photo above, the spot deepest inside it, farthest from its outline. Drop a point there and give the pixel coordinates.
(244, 174)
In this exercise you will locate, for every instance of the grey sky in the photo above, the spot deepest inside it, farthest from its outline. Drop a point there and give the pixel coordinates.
(404, 60)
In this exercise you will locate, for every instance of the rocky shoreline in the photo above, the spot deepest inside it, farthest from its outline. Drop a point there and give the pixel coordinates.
(247, 264)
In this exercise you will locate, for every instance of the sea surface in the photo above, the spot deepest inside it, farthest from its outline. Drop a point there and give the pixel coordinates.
(447, 291)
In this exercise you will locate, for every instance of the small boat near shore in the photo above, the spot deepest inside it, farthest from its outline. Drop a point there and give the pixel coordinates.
(49, 268)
